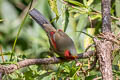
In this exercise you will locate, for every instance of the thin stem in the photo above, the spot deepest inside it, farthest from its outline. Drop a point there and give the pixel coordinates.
(20, 28)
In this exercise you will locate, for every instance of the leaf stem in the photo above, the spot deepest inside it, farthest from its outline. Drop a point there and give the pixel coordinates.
(20, 28)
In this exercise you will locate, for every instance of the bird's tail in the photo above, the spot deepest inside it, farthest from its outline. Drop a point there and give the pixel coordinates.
(41, 20)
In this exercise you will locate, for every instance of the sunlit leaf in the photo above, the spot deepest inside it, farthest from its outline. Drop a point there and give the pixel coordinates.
(117, 7)
(1, 20)
(88, 40)
(85, 2)
(93, 17)
(53, 6)
(83, 19)
(89, 2)
(76, 3)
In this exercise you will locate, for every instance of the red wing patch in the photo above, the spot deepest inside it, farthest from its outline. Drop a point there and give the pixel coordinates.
(53, 42)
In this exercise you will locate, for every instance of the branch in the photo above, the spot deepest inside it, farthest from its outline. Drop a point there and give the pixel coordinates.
(104, 54)
(53, 60)
(106, 22)
(104, 47)
(93, 64)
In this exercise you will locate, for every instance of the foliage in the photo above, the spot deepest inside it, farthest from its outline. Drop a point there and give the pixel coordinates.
(69, 15)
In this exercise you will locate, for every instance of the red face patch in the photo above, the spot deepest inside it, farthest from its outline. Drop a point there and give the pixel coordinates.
(68, 55)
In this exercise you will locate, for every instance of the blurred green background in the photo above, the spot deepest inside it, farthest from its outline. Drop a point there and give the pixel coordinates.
(68, 15)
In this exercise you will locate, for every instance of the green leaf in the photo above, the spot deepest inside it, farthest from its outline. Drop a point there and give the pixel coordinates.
(85, 2)
(1, 20)
(53, 6)
(49, 77)
(66, 19)
(88, 40)
(76, 3)
(80, 10)
(83, 19)
(89, 2)
(117, 7)
(93, 17)
(91, 77)
(116, 67)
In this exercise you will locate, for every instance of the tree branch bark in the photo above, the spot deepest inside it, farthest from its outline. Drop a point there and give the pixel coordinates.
(104, 53)
(106, 17)
(53, 60)
(104, 46)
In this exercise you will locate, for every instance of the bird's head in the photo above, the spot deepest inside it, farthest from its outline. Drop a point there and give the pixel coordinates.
(70, 54)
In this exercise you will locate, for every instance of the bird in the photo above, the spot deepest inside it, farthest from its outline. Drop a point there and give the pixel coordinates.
(59, 41)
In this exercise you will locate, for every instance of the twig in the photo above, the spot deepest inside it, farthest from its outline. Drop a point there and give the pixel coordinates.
(113, 17)
(93, 64)
(89, 18)
(18, 33)
(89, 47)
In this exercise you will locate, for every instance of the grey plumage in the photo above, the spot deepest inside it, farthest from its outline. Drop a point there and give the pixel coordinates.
(62, 41)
